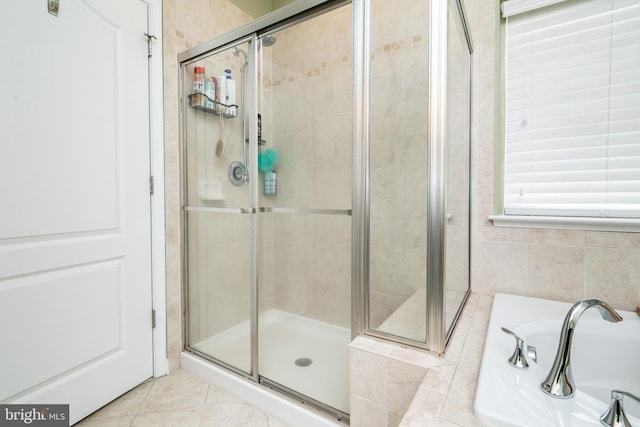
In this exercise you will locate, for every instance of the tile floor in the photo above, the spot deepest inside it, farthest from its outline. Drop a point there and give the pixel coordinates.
(179, 399)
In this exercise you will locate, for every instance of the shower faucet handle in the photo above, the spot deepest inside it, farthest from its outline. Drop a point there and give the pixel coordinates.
(518, 359)
(614, 415)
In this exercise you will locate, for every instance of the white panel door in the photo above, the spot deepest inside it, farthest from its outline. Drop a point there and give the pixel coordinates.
(75, 250)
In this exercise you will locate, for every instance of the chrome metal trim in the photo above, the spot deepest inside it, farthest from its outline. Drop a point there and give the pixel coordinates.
(184, 251)
(465, 24)
(266, 24)
(304, 399)
(360, 187)
(456, 317)
(252, 167)
(219, 210)
(377, 333)
(346, 212)
(450, 328)
(218, 362)
(435, 322)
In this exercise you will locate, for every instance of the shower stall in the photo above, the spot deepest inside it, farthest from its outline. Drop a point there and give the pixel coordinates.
(325, 189)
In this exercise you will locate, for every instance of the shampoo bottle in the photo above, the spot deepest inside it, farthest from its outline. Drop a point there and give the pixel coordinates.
(210, 92)
(232, 110)
(221, 94)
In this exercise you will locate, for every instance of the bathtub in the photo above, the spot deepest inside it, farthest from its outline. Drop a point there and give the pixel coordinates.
(604, 356)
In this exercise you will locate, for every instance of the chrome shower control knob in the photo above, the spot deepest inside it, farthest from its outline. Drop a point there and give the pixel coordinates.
(517, 359)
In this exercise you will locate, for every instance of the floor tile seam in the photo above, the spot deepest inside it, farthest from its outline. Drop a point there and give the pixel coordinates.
(153, 383)
(144, 401)
(199, 410)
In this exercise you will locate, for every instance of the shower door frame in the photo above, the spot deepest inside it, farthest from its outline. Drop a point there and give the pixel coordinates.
(251, 33)
(437, 334)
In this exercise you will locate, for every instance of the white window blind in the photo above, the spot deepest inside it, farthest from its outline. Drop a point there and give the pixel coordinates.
(573, 110)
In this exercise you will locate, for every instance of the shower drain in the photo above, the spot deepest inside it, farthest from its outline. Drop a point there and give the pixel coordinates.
(303, 361)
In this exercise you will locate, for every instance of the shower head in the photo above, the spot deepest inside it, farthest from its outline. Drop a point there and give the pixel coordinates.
(269, 40)
(237, 52)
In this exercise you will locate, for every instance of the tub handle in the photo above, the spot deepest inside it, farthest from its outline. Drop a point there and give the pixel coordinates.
(518, 359)
(615, 416)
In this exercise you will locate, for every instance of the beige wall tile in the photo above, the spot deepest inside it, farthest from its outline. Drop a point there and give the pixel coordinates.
(428, 406)
(366, 374)
(365, 413)
(555, 272)
(557, 237)
(394, 418)
(601, 239)
(374, 345)
(438, 379)
(498, 267)
(402, 381)
(613, 275)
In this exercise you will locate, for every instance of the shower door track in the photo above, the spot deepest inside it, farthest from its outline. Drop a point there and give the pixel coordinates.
(275, 386)
(304, 399)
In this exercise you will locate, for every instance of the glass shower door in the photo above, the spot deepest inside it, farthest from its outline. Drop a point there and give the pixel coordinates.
(458, 167)
(305, 162)
(218, 213)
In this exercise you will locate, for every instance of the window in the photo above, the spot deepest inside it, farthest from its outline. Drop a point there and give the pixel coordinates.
(572, 123)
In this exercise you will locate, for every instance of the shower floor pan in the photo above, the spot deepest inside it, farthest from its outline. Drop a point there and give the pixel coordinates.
(305, 355)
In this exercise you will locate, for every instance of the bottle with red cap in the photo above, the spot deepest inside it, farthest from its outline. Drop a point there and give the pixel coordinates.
(198, 79)
(197, 98)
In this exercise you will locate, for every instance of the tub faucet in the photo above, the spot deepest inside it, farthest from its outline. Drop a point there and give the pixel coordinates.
(559, 383)
(615, 416)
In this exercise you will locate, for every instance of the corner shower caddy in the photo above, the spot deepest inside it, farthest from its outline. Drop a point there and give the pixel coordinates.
(199, 106)
(197, 102)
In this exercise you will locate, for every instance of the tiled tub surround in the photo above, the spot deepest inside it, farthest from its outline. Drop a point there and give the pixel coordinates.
(394, 385)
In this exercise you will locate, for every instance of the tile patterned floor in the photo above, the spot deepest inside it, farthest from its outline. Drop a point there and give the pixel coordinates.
(180, 399)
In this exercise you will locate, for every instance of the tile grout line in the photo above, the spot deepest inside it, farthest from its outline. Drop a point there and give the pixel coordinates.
(152, 380)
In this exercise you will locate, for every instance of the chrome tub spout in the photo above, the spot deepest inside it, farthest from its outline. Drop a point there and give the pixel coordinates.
(559, 383)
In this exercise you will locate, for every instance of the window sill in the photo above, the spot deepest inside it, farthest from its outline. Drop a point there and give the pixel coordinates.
(567, 223)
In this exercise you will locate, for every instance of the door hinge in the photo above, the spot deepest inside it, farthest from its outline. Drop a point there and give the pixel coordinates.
(151, 185)
(150, 43)
(153, 319)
